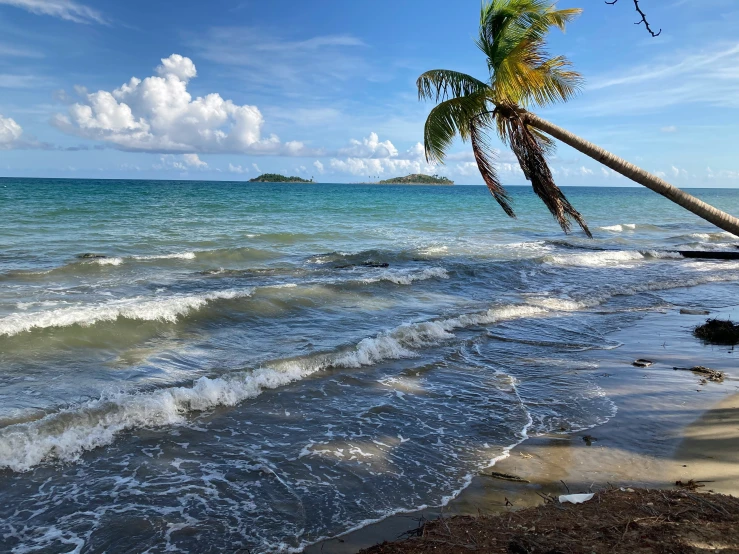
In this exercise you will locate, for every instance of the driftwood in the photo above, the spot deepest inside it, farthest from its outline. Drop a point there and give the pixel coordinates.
(709, 374)
(507, 477)
(708, 255)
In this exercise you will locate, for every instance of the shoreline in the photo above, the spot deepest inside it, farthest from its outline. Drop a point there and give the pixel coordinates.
(668, 428)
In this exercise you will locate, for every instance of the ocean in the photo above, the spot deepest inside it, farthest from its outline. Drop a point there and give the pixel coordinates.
(233, 367)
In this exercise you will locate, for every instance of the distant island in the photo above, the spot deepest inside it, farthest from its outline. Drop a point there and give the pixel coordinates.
(417, 179)
(276, 178)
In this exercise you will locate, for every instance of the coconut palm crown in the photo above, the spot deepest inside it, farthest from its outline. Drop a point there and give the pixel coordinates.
(521, 75)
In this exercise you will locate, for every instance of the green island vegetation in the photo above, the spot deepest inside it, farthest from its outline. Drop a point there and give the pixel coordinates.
(277, 178)
(417, 179)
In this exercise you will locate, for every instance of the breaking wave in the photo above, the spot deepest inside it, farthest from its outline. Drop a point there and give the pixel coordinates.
(67, 434)
(168, 309)
(619, 228)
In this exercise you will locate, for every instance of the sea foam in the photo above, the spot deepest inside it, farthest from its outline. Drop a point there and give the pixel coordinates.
(67, 434)
(167, 308)
(619, 228)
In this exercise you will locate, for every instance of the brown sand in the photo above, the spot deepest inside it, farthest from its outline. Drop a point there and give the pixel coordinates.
(669, 427)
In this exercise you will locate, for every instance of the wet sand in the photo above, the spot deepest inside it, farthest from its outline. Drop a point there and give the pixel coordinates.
(669, 427)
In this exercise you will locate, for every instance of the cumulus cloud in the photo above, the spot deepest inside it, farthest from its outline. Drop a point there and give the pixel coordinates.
(193, 160)
(319, 166)
(158, 114)
(370, 147)
(371, 156)
(236, 168)
(10, 133)
(184, 162)
(63, 9)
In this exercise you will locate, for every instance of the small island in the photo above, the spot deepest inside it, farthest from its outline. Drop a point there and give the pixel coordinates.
(417, 179)
(276, 178)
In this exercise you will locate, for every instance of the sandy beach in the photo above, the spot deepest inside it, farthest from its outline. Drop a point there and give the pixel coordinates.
(669, 427)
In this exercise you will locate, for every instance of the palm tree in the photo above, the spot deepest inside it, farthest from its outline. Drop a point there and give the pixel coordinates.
(522, 75)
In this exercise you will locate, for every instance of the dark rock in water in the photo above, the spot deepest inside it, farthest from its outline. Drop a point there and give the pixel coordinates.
(375, 264)
(718, 331)
(642, 363)
(587, 439)
(89, 255)
(690, 311)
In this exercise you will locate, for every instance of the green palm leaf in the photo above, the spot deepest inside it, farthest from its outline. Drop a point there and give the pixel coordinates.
(521, 73)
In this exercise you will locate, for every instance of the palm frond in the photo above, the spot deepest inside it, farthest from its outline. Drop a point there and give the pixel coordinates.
(513, 37)
(452, 117)
(531, 156)
(486, 164)
(441, 84)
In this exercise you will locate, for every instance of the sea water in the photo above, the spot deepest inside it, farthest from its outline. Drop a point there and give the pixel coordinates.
(216, 367)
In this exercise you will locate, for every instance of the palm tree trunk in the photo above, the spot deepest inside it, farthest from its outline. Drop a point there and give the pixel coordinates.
(720, 219)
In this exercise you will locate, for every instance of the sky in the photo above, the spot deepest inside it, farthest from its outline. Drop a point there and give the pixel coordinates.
(325, 89)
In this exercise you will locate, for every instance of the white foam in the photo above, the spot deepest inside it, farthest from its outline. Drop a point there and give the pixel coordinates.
(67, 434)
(431, 250)
(106, 261)
(596, 259)
(663, 254)
(406, 277)
(175, 256)
(619, 228)
(167, 308)
(713, 237)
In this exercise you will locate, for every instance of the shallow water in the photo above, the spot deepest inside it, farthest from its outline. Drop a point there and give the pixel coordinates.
(260, 366)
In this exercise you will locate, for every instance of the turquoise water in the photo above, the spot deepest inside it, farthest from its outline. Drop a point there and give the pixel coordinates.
(260, 365)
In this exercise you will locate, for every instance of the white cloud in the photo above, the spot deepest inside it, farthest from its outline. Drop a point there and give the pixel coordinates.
(669, 129)
(319, 166)
(10, 133)
(63, 9)
(237, 168)
(185, 162)
(584, 171)
(371, 156)
(417, 152)
(370, 147)
(677, 172)
(192, 160)
(256, 168)
(158, 114)
(264, 59)
(675, 79)
(15, 52)
(8, 80)
(722, 174)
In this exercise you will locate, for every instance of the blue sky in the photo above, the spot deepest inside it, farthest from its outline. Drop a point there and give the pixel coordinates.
(230, 89)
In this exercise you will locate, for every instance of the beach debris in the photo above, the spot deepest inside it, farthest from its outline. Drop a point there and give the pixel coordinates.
(575, 498)
(642, 363)
(91, 255)
(626, 490)
(613, 522)
(691, 485)
(587, 439)
(691, 311)
(710, 374)
(718, 331)
(525, 456)
(507, 477)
